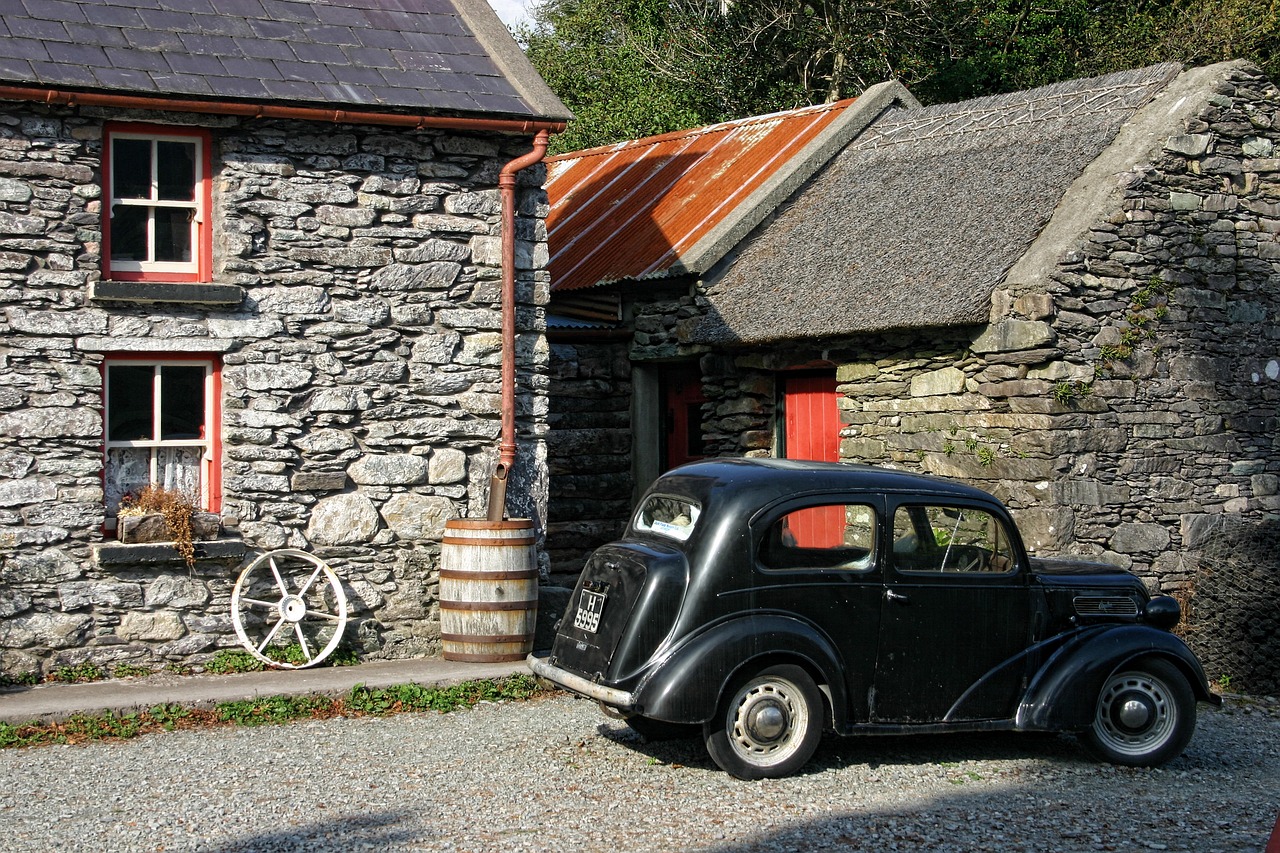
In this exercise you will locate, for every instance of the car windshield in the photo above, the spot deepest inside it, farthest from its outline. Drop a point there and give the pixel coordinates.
(674, 518)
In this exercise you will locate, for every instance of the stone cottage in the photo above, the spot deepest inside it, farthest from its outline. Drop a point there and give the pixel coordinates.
(1067, 296)
(252, 252)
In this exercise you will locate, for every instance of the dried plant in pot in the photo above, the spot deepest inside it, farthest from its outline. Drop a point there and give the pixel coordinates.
(157, 514)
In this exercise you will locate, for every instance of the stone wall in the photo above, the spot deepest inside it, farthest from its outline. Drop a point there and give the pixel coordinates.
(589, 449)
(1124, 405)
(360, 376)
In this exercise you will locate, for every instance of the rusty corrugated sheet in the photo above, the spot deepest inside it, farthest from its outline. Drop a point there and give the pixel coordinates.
(630, 210)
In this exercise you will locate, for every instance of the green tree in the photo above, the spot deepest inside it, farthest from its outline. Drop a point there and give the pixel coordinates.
(587, 52)
(638, 67)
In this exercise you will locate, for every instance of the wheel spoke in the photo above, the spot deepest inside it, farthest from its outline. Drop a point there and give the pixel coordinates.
(302, 591)
(321, 615)
(275, 571)
(259, 602)
(302, 641)
(271, 635)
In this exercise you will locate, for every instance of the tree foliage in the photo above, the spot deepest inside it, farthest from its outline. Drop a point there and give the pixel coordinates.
(636, 67)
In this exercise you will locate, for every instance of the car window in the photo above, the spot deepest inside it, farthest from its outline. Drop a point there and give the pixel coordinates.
(672, 517)
(831, 536)
(949, 539)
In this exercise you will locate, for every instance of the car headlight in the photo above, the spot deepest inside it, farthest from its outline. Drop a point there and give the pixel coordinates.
(1162, 611)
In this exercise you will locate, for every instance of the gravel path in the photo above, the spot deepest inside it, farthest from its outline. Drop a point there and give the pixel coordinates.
(556, 775)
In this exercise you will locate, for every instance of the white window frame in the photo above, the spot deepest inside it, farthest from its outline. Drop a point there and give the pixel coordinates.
(149, 267)
(207, 444)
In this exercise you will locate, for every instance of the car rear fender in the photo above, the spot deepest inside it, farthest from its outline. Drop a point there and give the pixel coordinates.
(1062, 696)
(687, 685)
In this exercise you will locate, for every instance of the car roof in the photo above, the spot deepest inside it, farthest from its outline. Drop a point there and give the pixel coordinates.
(759, 481)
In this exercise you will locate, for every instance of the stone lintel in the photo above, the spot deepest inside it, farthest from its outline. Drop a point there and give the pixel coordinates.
(147, 291)
(112, 553)
(201, 345)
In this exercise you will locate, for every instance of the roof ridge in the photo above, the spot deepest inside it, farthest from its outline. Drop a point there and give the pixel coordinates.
(703, 130)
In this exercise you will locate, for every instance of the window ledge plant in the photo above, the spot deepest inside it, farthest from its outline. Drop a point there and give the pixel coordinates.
(157, 514)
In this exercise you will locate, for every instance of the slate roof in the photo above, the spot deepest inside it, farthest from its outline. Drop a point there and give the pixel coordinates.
(435, 56)
(916, 222)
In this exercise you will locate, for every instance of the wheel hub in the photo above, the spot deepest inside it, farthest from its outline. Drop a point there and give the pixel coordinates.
(292, 608)
(766, 721)
(1134, 714)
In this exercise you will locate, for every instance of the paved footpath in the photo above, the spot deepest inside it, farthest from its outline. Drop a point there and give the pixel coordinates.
(52, 702)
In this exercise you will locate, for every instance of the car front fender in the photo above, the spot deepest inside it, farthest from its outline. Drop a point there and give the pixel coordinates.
(1064, 693)
(686, 686)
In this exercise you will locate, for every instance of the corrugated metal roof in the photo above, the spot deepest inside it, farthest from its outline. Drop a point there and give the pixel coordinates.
(634, 209)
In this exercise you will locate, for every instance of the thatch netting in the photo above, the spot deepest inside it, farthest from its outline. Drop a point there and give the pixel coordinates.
(1232, 607)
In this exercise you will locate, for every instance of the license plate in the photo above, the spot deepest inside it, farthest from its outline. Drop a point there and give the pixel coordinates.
(590, 606)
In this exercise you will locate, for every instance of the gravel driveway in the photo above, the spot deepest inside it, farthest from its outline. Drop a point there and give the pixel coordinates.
(554, 774)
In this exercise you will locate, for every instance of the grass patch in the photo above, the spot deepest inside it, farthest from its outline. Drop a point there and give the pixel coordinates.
(361, 701)
(230, 661)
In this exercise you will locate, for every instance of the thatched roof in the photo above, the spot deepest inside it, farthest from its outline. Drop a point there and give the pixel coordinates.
(916, 221)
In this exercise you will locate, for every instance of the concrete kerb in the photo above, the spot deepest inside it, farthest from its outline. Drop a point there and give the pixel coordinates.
(47, 703)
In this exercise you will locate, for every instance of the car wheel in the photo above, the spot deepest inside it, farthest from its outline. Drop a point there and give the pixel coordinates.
(658, 730)
(768, 726)
(1145, 716)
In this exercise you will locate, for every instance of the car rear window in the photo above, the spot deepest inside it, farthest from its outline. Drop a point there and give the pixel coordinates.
(828, 536)
(667, 516)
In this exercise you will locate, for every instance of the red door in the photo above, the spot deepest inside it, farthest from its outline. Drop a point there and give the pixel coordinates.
(682, 397)
(812, 431)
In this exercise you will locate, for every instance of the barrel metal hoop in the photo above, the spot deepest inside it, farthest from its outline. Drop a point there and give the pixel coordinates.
(499, 543)
(467, 657)
(482, 524)
(482, 606)
(460, 575)
(485, 638)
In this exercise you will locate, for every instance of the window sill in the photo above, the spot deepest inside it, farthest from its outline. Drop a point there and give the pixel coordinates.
(113, 553)
(151, 291)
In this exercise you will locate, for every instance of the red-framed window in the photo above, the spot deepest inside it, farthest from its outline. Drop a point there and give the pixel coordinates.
(162, 416)
(157, 202)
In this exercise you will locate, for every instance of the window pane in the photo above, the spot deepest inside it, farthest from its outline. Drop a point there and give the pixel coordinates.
(128, 471)
(837, 536)
(130, 402)
(181, 403)
(176, 170)
(173, 234)
(129, 233)
(131, 168)
(949, 539)
(673, 517)
(178, 470)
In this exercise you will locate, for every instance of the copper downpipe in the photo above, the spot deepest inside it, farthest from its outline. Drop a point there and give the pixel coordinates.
(507, 445)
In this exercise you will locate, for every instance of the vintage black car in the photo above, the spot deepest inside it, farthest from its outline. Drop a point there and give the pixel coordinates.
(766, 600)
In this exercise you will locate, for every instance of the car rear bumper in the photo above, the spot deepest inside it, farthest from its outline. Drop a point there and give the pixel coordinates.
(611, 696)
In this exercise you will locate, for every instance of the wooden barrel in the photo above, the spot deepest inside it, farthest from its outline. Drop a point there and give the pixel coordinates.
(488, 590)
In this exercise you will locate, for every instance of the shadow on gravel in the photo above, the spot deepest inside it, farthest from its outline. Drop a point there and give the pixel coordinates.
(370, 832)
(875, 751)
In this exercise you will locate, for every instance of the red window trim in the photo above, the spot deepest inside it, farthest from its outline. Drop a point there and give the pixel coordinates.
(214, 415)
(204, 232)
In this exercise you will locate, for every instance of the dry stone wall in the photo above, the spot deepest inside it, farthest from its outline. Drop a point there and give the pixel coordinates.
(359, 357)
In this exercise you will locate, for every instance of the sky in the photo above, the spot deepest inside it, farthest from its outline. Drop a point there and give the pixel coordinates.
(511, 12)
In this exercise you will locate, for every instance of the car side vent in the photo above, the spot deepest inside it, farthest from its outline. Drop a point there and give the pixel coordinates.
(1097, 605)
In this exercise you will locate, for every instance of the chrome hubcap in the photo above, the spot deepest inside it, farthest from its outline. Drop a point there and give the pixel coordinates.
(766, 721)
(1136, 713)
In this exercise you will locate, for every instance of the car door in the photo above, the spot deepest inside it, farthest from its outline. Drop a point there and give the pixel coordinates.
(955, 615)
(817, 560)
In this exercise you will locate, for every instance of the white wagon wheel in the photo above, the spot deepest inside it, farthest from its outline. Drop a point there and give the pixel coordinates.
(287, 596)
